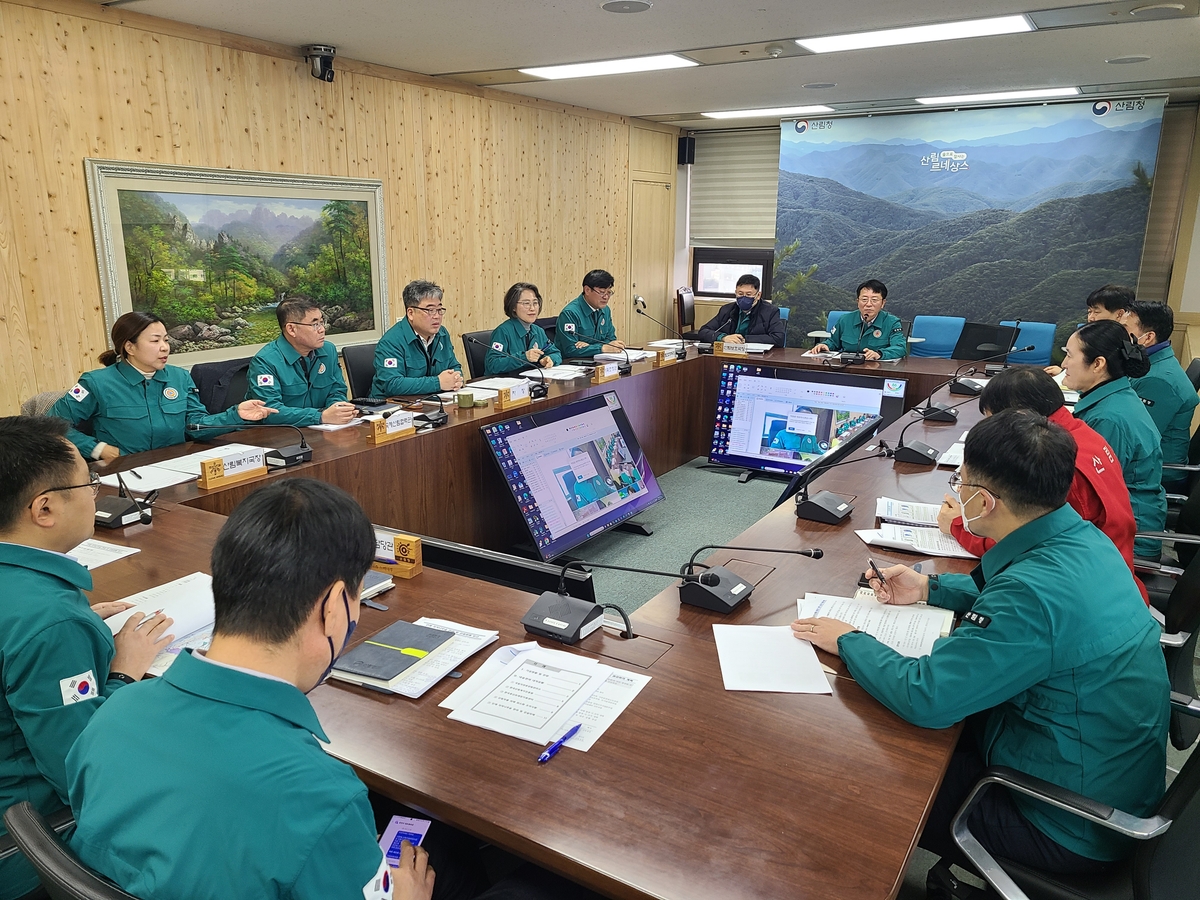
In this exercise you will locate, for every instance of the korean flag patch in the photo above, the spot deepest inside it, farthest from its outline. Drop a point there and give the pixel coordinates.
(498, 346)
(390, 363)
(79, 392)
(380, 885)
(79, 688)
(265, 380)
(170, 393)
(569, 327)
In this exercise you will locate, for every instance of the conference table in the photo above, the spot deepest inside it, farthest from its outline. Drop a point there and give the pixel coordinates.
(694, 792)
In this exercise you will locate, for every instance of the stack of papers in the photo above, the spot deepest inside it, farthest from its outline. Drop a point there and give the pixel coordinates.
(917, 540)
(187, 600)
(954, 455)
(768, 658)
(323, 427)
(1070, 397)
(444, 658)
(152, 478)
(756, 347)
(634, 356)
(92, 554)
(536, 694)
(478, 392)
(671, 344)
(190, 464)
(564, 372)
(909, 630)
(905, 512)
(495, 384)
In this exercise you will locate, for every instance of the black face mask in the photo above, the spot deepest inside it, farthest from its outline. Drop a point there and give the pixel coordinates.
(334, 654)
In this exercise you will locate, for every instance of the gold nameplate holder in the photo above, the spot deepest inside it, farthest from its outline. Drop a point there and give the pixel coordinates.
(397, 425)
(512, 397)
(232, 468)
(606, 372)
(397, 554)
(722, 348)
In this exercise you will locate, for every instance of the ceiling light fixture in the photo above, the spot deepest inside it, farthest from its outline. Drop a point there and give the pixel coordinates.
(611, 67)
(918, 34)
(995, 96)
(626, 6)
(819, 85)
(779, 112)
(1127, 60)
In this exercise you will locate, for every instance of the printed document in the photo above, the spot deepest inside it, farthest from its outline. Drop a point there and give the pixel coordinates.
(768, 658)
(909, 630)
(154, 478)
(92, 554)
(906, 512)
(187, 600)
(565, 372)
(915, 540)
(190, 464)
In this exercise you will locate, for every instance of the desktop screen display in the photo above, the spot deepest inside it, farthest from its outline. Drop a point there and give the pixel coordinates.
(721, 278)
(781, 420)
(574, 470)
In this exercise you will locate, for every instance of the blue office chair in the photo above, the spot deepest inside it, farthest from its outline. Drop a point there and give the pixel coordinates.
(834, 315)
(937, 335)
(1041, 335)
(784, 313)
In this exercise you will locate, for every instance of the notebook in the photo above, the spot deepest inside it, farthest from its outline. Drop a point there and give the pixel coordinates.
(388, 653)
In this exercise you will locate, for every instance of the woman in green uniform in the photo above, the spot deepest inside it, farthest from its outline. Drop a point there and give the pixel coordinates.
(137, 402)
(1100, 360)
(520, 335)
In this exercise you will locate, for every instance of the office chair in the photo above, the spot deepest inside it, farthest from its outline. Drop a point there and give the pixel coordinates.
(1041, 335)
(548, 324)
(935, 336)
(685, 311)
(785, 313)
(1193, 373)
(218, 383)
(359, 360)
(63, 876)
(39, 404)
(1162, 866)
(477, 354)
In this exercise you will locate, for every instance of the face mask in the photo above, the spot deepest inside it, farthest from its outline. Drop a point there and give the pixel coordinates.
(744, 303)
(334, 654)
(965, 520)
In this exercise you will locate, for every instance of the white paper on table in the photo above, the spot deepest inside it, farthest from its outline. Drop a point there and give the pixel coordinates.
(603, 707)
(670, 344)
(445, 659)
(953, 456)
(153, 478)
(757, 347)
(768, 658)
(358, 420)
(478, 393)
(906, 511)
(187, 600)
(915, 540)
(199, 640)
(191, 463)
(92, 554)
(634, 356)
(909, 630)
(495, 384)
(535, 697)
(500, 657)
(825, 354)
(564, 372)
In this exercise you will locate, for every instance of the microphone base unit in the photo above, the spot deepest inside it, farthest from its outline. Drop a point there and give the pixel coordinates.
(724, 597)
(117, 512)
(917, 452)
(562, 618)
(437, 418)
(938, 412)
(624, 369)
(825, 507)
(994, 369)
(286, 457)
(538, 391)
(704, 349)
(964, 388)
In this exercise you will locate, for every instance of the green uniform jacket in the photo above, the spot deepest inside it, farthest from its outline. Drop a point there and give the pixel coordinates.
(1170, 399)
(510, 336)
(1118, 415)
(210, 784)
(579, 322)
(403, 367)
(1066, 664)
(885, 335)
(54, 659)
(300, 387)
(130, 411)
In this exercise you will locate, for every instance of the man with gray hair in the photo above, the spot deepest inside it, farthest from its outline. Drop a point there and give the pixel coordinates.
(416, 356)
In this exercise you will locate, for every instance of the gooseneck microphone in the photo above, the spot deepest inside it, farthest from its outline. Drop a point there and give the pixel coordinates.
(824, 506)
(121, 510)
(639, 307)
(536, 391)
(143, 512)
(283, 457)
(957, 386)
(717, 588)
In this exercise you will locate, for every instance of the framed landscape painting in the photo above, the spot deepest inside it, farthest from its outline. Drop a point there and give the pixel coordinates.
(213, 251)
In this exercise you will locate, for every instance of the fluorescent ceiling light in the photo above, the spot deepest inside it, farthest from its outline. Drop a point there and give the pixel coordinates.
(778, 112)
(917, 34)
(1038, 94)
(612, 67)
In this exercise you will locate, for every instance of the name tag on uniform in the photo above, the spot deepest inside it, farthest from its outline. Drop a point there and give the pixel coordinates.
(977, 618)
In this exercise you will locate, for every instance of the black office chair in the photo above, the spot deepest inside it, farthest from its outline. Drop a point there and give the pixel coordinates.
(221, 384)
(62, 875)
(1193, 373)
(476, 353)
(549, 324)
(685, 312)
(359, 360)
(1163, 864)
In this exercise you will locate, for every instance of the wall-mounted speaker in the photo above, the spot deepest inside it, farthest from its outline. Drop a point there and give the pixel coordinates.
(687, 151)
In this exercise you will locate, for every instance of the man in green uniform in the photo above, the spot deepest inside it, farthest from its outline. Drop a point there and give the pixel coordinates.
(298, 372)
(585, 326)
(873, 333)
(1065, 674)
(58, 660)
(416, 357)
(1166, 391)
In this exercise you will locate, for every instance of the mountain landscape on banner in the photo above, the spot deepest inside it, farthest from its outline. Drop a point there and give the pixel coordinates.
(1032, 223)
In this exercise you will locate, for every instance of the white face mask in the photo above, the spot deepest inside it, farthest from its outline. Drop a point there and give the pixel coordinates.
(967, 520)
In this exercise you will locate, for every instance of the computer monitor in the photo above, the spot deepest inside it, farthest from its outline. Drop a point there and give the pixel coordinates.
(575, 470)
(979, 341)
(781, 420)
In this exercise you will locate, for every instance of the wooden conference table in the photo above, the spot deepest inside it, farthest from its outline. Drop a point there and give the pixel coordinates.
(694, 792)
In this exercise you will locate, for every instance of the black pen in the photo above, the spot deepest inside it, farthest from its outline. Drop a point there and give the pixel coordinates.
(134, 473)
(874, 568)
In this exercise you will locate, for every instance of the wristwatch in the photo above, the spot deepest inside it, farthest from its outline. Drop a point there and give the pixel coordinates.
(122, 677)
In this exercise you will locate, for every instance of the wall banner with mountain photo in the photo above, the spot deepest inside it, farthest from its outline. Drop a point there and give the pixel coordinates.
(213, 251)
(989, 214)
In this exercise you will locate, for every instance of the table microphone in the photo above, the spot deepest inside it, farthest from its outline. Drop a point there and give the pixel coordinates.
(536, 391)
(719, 589)
(121, 510)
(918, 451)
(283, 457)
(957, 386)
(639, 307)
(437, 418)
(823, 506)
(623, 369)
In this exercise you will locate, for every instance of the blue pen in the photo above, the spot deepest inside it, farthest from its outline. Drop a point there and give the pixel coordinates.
(548, 753)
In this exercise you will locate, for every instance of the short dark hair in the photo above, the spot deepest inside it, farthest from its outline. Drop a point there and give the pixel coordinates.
(34, 455)
(598, 279)
(127, 328)
(280, 549)
(1156, 317)
(1021, 387)
(1113, 297)
(513, 294)
(1027, 460)
(872, 284)
(1110, 339)
(749, 279)
(418, 290)
(293, 309)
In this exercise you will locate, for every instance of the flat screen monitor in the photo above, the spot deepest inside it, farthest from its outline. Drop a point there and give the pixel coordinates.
(775, 419)
(715, 271)
(575, 470)
(979, 341)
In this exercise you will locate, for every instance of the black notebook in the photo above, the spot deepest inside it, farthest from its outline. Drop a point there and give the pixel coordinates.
(388, 653)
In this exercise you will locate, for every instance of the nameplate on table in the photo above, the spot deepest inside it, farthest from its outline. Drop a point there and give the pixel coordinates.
(388, 428)
(233, 467)
(728, 348)
(606, 372)
(397, 553)
(511, 397)
(663, 358)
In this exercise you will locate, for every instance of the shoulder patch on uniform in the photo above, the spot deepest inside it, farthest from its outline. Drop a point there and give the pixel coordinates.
(977, 618)
(390, 363)
(265, 380)
(496, 345)
(897, 328)
(170, 393)
(79, 392)
(569, 327)
(78, 688)
(380, 885)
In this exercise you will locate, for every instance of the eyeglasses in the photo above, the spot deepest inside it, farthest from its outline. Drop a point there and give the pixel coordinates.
(529, 304)
(433, 311)
(744, 293)
(320, 323)
(957, 484)
(606, 293)
(93, 483)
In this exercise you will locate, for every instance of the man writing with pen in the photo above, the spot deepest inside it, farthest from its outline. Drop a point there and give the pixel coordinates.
(1059, 679)
(584, 327)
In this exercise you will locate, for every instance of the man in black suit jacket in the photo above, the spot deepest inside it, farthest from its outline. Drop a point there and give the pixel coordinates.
(748, 319)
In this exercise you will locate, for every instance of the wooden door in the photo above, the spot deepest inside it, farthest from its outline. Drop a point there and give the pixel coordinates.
(650, 255)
